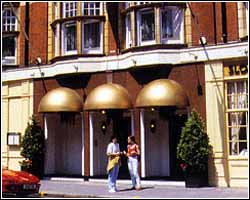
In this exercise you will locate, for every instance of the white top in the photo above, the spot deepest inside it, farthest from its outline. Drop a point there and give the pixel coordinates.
(113, 148)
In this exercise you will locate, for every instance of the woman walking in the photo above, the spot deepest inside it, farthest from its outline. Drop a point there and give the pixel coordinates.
(113, 153)
(133, 162)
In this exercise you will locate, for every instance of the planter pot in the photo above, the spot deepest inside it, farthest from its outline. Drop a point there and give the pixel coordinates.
(196, 180)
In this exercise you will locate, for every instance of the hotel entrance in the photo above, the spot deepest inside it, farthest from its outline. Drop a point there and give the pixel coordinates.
(109, 114)
(162, 103)
(104, 125)
(63, 127)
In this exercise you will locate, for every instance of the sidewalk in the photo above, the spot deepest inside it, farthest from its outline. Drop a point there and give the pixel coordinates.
(93, 189)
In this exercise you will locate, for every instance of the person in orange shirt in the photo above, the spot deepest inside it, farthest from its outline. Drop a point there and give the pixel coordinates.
(133, 153)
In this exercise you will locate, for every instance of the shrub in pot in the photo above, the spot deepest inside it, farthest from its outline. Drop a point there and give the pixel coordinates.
(32, 148)
(193, 150)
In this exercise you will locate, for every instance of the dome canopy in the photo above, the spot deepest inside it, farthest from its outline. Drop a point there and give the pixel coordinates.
(108, 96)
(162, 92)
(61, 100)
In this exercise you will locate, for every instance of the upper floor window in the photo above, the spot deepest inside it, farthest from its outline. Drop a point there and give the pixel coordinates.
(91, 8)
(92, 36)
(9, 49)
(172, 25)
(146, 27)
(9, 39)
(69, 38)
(9, 20)
(246, 7)
(69, 9)
(128, 31)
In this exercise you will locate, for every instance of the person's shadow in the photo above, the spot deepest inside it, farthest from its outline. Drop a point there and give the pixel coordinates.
(130, 189)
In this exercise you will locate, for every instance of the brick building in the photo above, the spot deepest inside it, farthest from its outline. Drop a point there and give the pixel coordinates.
(117, 68)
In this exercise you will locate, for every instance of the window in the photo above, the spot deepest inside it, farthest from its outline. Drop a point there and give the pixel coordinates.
(69, 9)
(237, 116)
(146, 24)
(69, 38)
(92, 36)
(9, 46)
(91, 8)
(9, 21)
(9, 49)
(172, 25)
(128, 31)
(246, 7)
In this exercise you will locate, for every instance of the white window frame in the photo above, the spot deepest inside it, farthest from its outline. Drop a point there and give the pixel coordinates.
(63, 41)
(246, 4)
(96, 50)
(235, 110)
(10, 17)
(139, 31)
(175, 39)
(128, 31)
(10, 60)
(64, 7)
(57, 39)
(100, 9)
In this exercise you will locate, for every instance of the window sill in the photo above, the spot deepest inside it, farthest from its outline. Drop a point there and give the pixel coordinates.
(238, 158)
(7, 67)
(154, 47)
(244, 39)
(11, 33)
(75, 56)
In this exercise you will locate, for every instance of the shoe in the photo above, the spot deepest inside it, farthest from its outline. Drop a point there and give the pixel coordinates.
(112, 191)
(138, 188)
(133, 188)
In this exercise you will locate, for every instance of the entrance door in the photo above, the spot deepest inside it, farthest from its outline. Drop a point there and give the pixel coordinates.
(118, 125)
(156, 145)
(122, 127)
(63, 145)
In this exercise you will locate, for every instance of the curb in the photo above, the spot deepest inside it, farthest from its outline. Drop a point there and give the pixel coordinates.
(44, 194)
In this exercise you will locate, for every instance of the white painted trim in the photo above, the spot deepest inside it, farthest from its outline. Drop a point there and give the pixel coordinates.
(45, 128)
(82, 143)
(132, 123)
(142, 130)
(91, 147)
(131, 60)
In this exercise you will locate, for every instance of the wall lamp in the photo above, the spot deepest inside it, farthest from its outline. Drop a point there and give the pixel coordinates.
(152, 126)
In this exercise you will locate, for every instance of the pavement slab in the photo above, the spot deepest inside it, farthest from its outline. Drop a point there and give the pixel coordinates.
(86, 189)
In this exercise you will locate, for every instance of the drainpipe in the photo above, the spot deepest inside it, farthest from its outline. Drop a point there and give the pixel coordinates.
(224, 22)
(26, 47)
(215, 25)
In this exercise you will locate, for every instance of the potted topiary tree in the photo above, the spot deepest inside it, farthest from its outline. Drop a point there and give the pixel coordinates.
(32, 148)
(193, 150)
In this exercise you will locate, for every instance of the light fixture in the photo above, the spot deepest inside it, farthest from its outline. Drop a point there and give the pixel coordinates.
(203, 40)
(152, 125)
(103, 112)
(13, 139)
(103, 127)
(152, 109)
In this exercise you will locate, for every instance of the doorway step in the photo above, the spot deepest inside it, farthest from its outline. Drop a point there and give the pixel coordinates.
(121, 182)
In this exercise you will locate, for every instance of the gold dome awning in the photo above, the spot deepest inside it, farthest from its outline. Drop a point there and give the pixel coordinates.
(108, 96)
(162, 92)
(61, 100)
